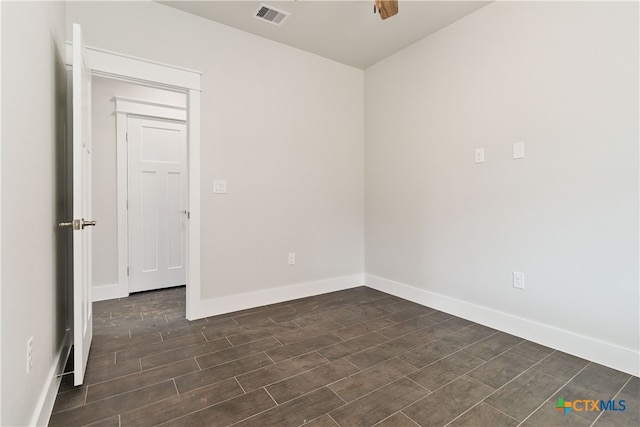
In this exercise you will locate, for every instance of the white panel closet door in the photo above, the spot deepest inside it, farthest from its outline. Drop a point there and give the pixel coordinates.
(157, 216)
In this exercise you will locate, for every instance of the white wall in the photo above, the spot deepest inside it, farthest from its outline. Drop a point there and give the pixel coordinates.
(33, 118)
(105, 237)
(284, 127)
(563, 78)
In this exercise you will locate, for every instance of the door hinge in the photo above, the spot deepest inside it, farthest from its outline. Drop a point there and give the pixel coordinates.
(127, 271)
(127, 204)
(126, 136)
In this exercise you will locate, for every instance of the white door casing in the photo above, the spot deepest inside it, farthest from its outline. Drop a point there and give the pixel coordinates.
(157, 214)
(119, 66)
(82, 308)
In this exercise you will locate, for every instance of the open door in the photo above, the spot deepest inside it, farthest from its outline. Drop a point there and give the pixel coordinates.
(82, 309)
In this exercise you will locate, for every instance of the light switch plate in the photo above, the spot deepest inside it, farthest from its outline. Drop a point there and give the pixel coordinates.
(479, 155)
(518, 150)
(220, 186)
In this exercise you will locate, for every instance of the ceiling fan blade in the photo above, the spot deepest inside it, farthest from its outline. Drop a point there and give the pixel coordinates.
(387, 8)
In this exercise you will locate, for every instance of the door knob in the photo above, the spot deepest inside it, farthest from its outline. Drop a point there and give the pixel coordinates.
(78, 224)
(88, 223)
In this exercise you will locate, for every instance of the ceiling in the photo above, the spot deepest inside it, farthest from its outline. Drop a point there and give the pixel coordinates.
(344, 31)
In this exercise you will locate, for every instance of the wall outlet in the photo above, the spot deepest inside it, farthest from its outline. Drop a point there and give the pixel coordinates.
(518, 150)
(220, 186)
(479, 155)
(292, 258)
(518, 280)
(29, 355)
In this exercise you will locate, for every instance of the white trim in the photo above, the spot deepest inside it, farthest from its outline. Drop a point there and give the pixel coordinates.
(44, 406)
(193, 225)
(106, 292)
(129, 68)
(124, 107)
(120, 289)
(107, 63)
(1, 223)
(608, 354)
(143, 107)
(231, 303)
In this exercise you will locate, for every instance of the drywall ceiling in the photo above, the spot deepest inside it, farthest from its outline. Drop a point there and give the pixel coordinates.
(345, 31)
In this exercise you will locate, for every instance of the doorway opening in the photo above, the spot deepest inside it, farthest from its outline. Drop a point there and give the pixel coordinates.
(144, 73)
(140, 175)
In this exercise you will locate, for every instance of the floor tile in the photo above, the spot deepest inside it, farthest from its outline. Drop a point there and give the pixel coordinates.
(187, 352)
(595, 382)
(110, 372)
(222, 331)
(259, 332)
(227, 412)
(397, 420)
(561, 365)
(380, 404)
(362, 328)
(429, 353)
(492, 346)
(411, 313)
(473, 334)
(306, 382)
(430, 333)
(279, 371)
(548, 415)
(70, 399)
(108, 422)
(439, 373)
(308, 332)
(630, 417)
(380, 353)
(524, 394)
(447, 403)
(159, 347)
(237, 352)
(178, 406)
(218, 373)
(484, 415)
(301, 347)
(502, 369)
(323, 421)
(262, 314)
(107, 408)
(141, 379)
(533, 350)
(143, 368)
(298, 411)
(364, 382)
(100, 362)
(354, 345)
(408, 326)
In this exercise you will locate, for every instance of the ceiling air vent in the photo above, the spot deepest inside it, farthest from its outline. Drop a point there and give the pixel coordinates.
(270, 14)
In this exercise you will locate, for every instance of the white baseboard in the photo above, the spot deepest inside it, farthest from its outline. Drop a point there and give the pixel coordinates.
(47, 399)
(228, 304)
(105, 292)
(604, 353)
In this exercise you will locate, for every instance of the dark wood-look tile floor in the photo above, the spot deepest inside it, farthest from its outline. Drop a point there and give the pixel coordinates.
(357, 357)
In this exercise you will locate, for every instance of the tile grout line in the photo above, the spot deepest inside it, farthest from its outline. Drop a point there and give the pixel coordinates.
(483, 400)
(274, 401)
(614, 397)
(552, 394)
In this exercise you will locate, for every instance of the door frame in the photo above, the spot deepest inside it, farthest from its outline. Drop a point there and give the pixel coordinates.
(125, 108)
(136, 70)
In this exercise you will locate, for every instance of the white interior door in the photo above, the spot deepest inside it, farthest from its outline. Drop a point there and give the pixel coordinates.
(82, 309)
(157, 200)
